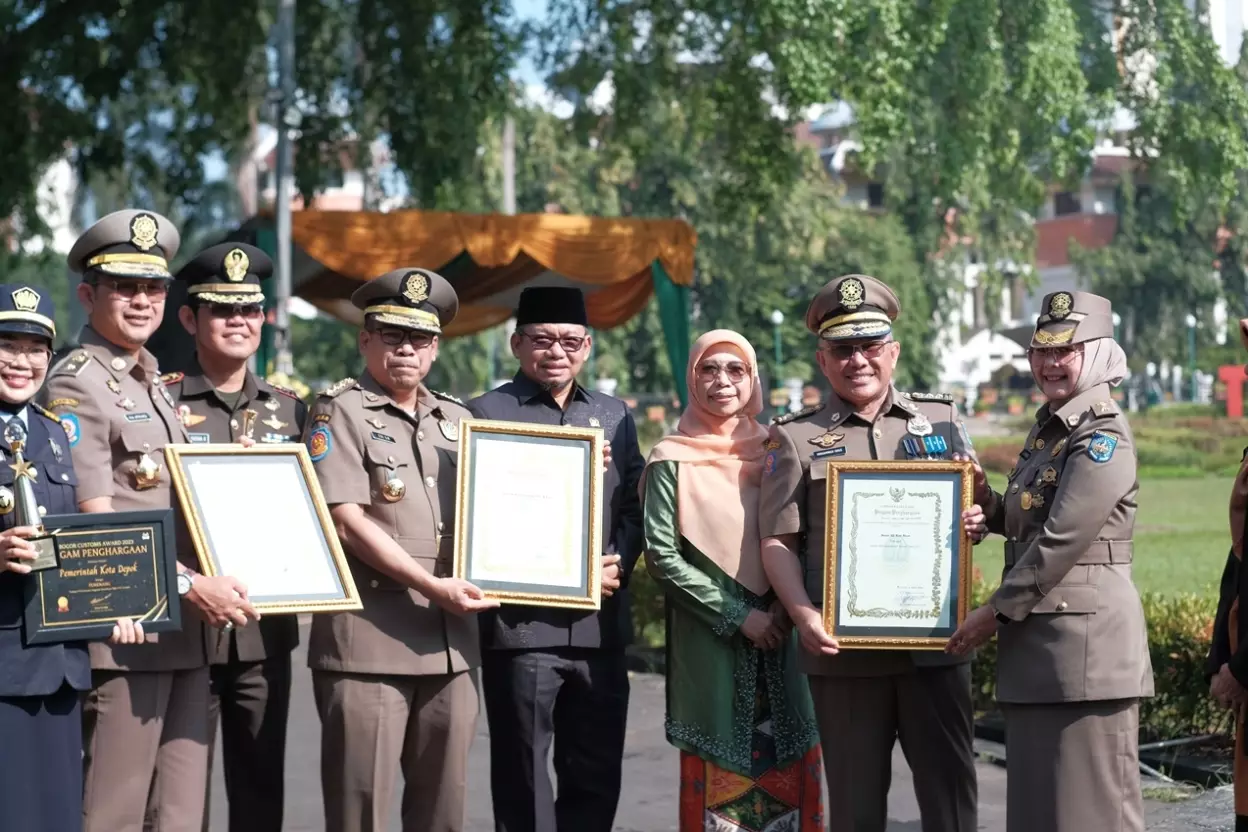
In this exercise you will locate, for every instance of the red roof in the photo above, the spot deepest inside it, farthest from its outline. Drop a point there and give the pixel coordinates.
(1053, 237)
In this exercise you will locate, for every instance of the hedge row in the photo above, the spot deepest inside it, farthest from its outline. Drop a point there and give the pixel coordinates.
(1179, 630)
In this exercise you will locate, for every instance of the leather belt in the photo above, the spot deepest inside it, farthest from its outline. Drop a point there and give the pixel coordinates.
(1100, 553)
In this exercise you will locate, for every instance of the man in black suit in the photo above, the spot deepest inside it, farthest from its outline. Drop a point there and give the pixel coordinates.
(554, 675)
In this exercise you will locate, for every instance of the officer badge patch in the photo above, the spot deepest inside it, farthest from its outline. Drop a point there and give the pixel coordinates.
(236, 265)
(319, 443)
(55, 403)
(774, 444)
(25, 299)
(1102, 447)
(826, 440)
(449, 429)
(7, 501)
(1060, 305)
(69, 422)
(594, 423)
(416, 287)
(769, 463)
(852, 293)
(1047, 477)
(1057, 448)
(918, 425)
(143, 231)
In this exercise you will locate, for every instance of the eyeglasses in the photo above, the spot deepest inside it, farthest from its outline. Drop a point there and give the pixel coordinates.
(1059, 355)
(127, 289)
(735, 371)
(570, 343)
(229, 310)
(395, 337)
(845, 352)
(37, 356)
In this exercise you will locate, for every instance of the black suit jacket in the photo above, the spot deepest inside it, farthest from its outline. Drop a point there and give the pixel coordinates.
(39, 670)
(517, 627)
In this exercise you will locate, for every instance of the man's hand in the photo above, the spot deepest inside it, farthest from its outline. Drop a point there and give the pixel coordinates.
(126, 631)
(975, 523)
(459, 597)
(761, 629)
(610, 575)
(815, 640)
(983, 494)
(15, 550)
(1227, 690)
(222, 600)
(979, 626)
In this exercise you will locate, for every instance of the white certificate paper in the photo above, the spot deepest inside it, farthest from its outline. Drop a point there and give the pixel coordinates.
(895, 552)
(261, 527)
(528, 520)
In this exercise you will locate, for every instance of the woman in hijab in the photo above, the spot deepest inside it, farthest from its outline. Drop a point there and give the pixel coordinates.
(1227, 667)
(737, 707)
(1072, 662)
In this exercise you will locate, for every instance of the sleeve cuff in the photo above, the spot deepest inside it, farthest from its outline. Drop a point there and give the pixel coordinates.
(732, 618)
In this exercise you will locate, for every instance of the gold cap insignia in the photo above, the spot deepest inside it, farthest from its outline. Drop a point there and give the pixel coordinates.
(1053, 339)
(852, 293)
(143, 230)
(1060, 305)
(415, 287)
(236, 265)
(26, 299)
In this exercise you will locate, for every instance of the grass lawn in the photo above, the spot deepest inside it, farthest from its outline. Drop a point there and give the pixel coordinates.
(1181, 535)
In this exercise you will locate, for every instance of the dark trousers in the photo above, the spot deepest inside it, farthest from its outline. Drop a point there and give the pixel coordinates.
(929, 712)
(253, 702)
(576, 699)
(41, 761)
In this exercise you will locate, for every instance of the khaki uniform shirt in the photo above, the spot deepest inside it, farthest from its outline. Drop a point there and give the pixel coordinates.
(115, 409)
(360, 439)
(279, 418)
(793, 495)
(1077, 628)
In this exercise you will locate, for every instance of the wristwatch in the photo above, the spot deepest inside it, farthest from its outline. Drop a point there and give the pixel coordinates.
(185, 581)
(1001, 617)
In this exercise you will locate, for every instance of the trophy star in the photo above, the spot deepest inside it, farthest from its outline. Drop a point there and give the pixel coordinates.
(23, 468)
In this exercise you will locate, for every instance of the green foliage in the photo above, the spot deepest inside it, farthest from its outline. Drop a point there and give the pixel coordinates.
(325, 350)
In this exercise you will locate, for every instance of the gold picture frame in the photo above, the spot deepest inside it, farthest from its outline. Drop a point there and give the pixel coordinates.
(911, 624)
(230, 499)
(566, 465)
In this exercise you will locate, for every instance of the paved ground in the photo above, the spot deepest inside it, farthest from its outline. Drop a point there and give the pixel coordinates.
(650, 765)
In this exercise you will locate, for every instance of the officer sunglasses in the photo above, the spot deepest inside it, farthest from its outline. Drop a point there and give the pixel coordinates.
(844, 352)
(127, 289)
(393, 337)
(229, 310)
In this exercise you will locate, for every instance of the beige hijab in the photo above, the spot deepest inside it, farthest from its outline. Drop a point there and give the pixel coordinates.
(1104, 362)
(720, 470)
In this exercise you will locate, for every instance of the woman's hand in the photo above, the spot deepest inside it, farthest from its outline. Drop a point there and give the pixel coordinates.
(16, 550)
(815, 640)
(761, 629)
(979, 626)
(126, 631)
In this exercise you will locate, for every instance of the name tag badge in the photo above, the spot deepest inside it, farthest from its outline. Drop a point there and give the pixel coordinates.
(276, 437)
(138, 417)
(382, 437)
(200, 438)
(827, 453)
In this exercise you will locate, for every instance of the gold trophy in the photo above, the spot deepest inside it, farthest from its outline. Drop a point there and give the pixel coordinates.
(26, 505)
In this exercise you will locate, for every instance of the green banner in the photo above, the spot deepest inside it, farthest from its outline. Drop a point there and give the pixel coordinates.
(674, 315)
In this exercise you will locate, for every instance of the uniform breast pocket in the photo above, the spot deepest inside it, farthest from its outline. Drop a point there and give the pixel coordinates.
(388, 473)
(138, 449)
(60, 483)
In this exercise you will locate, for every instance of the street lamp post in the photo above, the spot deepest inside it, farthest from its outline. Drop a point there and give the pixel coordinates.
(777, 319)
(1191, 354)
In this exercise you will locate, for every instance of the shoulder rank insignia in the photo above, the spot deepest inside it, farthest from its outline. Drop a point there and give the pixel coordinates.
(447, 397)
(338, 387)
(71, 364)
(43, 411)
(1102, 447)
(1104, 408)
(801, 414)
(931, 397)
(172, 378)
(285, 391)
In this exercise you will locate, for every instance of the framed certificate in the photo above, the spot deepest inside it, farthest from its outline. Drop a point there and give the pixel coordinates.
(897, 561)
(118, 564)
(528, 517)
(258, 514)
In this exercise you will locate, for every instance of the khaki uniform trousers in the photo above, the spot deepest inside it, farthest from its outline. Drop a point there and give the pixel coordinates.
(929, 712)
(145, 750)
(373, 727)
(1073, 767)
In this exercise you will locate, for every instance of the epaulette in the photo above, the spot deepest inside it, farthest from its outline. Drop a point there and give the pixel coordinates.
(931, 397)
(43, 411)
(286, 391)
(801, 414)
(337, 388)
(71, 364)
(447, 397)
(172, 378)
(1105, 408)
